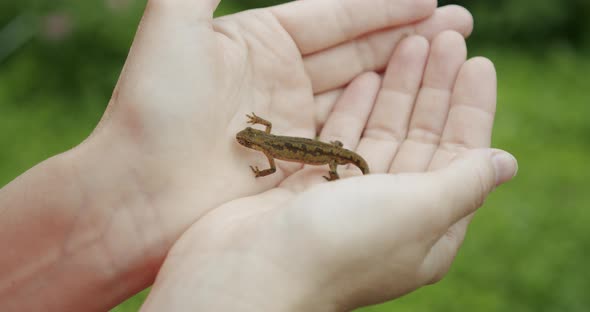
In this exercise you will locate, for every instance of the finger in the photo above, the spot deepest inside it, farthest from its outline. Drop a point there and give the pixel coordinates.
(172, 34)
(448, 17)
(323, 105)
(184, 10)
(372, 52)
(388, 123)
(471, 116)
(319, 24)
(440, 257)
(469, 125)
(325, 101)
(462, 186)
(447, 54)
(349, 115)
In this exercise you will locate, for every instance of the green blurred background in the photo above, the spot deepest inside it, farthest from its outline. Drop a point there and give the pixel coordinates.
(527, 250)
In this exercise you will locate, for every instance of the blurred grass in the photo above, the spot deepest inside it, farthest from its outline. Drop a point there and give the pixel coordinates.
(526, 250)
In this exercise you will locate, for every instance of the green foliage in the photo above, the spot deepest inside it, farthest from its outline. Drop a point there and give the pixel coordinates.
(534, 22)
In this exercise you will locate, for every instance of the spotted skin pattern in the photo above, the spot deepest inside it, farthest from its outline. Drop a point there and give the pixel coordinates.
(295, 149)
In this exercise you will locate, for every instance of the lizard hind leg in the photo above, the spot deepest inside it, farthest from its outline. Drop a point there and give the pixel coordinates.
(333, 164)
(261, 173)
(333, 172)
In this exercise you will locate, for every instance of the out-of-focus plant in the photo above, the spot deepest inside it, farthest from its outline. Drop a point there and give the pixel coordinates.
(65, 48)
(532, 23)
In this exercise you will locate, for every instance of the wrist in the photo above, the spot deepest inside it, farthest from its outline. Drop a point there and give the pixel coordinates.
(72, 231)
(52, 231)
(119, 211)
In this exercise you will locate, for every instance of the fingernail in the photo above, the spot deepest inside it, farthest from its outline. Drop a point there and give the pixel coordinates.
(505, 166)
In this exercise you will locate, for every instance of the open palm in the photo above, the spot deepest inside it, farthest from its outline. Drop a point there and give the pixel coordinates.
(367, 239)
(190, 79)
(163, 167)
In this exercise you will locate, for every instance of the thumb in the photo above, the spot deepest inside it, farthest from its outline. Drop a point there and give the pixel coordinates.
(194, 10)
(468, 180)
(174, 43)
(173, 25)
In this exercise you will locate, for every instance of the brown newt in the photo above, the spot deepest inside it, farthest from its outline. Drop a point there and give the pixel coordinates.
(295, 149)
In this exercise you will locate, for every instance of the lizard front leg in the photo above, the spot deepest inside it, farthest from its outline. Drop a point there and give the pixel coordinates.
(265, 172)
(333, 173)
(253, 119)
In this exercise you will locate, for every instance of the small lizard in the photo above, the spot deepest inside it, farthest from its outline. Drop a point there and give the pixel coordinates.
(296, 149)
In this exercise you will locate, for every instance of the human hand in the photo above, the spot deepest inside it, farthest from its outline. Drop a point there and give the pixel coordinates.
(190, 79)
(312, 246)
(98, 220)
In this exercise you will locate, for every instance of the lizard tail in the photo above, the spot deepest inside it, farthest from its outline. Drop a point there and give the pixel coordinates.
(361, 164)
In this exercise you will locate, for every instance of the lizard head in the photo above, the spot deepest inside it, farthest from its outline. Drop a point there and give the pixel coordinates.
(247, 137)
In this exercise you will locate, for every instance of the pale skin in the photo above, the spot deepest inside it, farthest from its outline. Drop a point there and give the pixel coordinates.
(312, 246)
(88, 228)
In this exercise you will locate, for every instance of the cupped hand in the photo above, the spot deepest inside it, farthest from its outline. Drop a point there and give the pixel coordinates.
(190, 79)
(307, 245)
